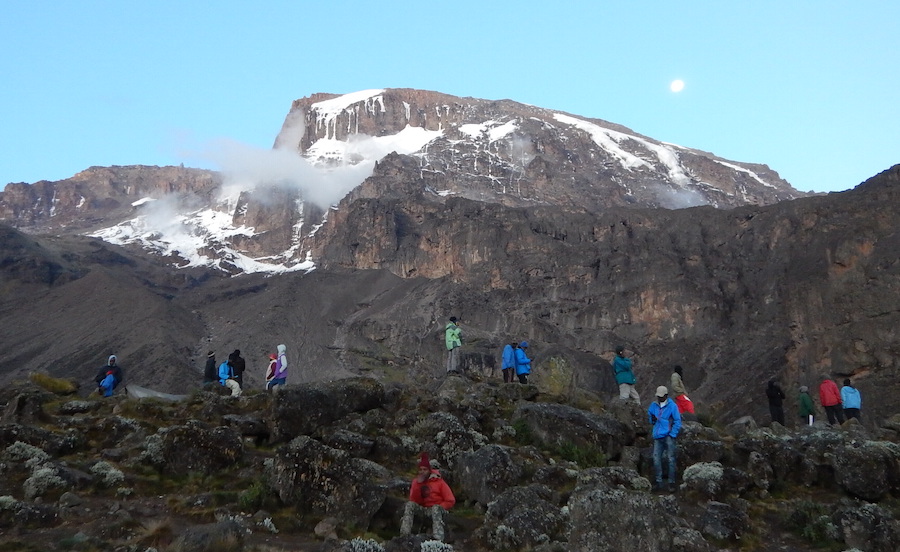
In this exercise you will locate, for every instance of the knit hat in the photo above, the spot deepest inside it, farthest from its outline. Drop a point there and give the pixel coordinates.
(423, 462)
(620, 349)
(523, 345)
(804, 389)
(453, 319)
(661, 391)
(273, 356)
(211, 354)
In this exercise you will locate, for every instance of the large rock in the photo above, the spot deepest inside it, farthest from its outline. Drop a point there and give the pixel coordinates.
(486, 472)
(559, 425)
(323, 481)
(194, 447)
(521, 518)
(617, 520)
(868, 470)
(305, 409)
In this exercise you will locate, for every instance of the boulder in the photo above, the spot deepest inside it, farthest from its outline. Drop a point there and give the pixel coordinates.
(521, 518)
(325, 481)
(616, 520)
(486, 472)
(869, 527)
(559, 425)
(868, 469)
(723, 521)
(307, 409)
(194, 447)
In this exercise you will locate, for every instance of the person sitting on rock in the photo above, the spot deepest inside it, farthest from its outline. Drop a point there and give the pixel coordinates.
(226, 378)
(429, 495)
(112, 368)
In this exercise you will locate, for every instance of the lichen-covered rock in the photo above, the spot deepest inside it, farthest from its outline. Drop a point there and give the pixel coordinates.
(354, 443)
(705, 478)
(25, 515)
(486, 472)
(521, 518)
(194, 447)
(615, 520)
(53, 443)
(867, 469)
(306, 409)
(451, 437)
(318, 479)
(871, 528)
(613, 477)
(214, 537)
(760, 471)
(556, 425)
(725, 521)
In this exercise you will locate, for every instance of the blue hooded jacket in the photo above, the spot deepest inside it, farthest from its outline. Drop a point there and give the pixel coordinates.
(509, 357)
(666, 419)
(225, 372)
(850, 397)
(523, 363)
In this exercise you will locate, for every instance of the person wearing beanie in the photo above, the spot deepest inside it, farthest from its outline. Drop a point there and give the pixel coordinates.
(666, 420)
(830, 398)
(209, 371)
(622, 366)
(806, 409)
(523, 363)
(429, 497)
(851, 400)
(113, 369)
(453, 341)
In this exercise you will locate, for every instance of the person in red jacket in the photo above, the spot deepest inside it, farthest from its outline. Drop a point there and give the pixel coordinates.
(830, 398)
(429, 495)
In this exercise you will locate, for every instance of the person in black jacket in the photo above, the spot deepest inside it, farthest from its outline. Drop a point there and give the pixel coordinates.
(113, 368)
(210, 373)
(238, 365)
(775, 396)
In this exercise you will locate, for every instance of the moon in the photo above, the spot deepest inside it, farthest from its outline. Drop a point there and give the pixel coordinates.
(677, 85)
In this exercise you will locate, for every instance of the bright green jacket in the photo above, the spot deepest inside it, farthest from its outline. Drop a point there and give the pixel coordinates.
(452, 336)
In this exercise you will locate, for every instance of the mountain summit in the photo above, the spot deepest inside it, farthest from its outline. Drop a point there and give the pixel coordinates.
(263, 212)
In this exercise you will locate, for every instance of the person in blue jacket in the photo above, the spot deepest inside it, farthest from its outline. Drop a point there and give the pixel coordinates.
(226, 378)
(508, 363)
(851, 400)
(105, 385)
(666, 422)
(523, 363)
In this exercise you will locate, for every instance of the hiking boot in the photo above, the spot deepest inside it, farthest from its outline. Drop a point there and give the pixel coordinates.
(672, 487)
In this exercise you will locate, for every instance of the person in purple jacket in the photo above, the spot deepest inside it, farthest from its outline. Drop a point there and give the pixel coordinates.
(281, 366)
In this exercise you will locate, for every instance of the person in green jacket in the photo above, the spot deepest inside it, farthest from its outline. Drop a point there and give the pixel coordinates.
(453, 340)
(807, 410)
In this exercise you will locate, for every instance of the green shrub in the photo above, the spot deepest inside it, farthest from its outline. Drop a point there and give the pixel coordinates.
(54, 385)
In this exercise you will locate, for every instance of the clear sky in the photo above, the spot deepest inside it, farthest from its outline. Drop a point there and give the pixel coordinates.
(810, 88)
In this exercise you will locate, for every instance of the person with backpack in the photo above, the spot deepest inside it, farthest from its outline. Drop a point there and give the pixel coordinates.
(239, 365)
(625, 376)
(851, 400)
(113, 369)
(666, 422)
(508, 363)
(226, 378)
(523, 363)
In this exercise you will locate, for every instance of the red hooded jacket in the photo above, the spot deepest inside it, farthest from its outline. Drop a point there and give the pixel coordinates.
(829, 394)
(433, 491)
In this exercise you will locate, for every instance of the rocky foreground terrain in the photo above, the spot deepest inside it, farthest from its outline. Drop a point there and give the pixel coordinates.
(326, 467)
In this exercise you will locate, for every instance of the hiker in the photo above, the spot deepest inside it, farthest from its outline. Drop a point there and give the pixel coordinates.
(807, 410)
(508, 362)
(682, 401)
(210, 374)
(429, 496)
(281, 366)
(625, 376)
(226, 378)
(851, 400)
(453, 341)
(523, 363)
(775, 396)
(270, 369)
(666, 422)
(239, 365)
(113, 369)
(107, 384)
(830, 398)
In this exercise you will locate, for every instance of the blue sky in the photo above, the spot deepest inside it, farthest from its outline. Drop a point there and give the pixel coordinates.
(810, 88)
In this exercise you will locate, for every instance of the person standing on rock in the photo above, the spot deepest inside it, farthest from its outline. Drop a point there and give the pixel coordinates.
(807, 410)
(523, 363)
(281, 366)
(830, 398)
(210, 374)
(622, 365)
(851, 400)
(682, 401)
(239, 365)
(270, 369)
(429, 495)
(453, 341)
(776, 398)
(508, 363)
(113, 369)
(666, 422)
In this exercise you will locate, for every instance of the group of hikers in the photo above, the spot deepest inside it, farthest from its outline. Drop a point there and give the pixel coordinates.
(230, 373)
(839, 404)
